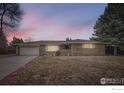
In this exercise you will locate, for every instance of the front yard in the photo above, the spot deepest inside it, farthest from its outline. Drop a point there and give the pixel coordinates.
(78, 70)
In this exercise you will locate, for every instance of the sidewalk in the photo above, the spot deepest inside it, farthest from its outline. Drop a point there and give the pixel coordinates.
(12, 63)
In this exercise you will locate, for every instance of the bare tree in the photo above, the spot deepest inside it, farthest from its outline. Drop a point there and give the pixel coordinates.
(10, 15)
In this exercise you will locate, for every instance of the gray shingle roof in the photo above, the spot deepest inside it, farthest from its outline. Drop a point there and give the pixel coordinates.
(48, 42)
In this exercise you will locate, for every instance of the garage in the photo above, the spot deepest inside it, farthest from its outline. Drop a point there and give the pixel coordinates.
(33, 51)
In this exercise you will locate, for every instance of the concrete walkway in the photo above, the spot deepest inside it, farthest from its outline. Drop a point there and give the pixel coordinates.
(12, 63)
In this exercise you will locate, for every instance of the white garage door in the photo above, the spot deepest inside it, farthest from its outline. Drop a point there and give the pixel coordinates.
(29, 50)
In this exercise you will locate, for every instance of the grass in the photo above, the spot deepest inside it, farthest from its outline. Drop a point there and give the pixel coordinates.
(78, 70)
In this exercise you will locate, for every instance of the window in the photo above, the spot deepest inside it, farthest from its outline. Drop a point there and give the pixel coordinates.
(52, 48)
(88, 46)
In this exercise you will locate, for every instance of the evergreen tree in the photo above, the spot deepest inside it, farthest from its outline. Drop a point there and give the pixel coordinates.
(16, 41)
(109, 28)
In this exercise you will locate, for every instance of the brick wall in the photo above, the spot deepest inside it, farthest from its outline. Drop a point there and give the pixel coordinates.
(99, 50)
(76, 50)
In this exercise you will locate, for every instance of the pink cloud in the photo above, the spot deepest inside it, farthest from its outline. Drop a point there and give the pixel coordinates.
(36, 27)
(27, 28)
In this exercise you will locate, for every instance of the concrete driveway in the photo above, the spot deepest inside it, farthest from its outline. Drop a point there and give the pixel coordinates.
(12, 63)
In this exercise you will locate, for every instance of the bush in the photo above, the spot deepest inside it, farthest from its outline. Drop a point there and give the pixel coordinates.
(4, 51)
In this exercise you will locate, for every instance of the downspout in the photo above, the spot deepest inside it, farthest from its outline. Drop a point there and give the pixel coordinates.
(115, 50)
(17, 50)
(72, 49)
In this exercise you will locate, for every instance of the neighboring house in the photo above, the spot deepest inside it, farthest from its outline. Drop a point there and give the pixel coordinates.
(62, 48)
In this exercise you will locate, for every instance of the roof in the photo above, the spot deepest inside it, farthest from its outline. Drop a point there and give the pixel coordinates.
(49, 42)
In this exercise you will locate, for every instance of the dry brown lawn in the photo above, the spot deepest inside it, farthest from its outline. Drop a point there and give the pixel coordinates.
(78, 70)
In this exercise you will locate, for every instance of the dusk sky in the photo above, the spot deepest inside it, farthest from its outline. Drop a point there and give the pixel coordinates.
(57, 21)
